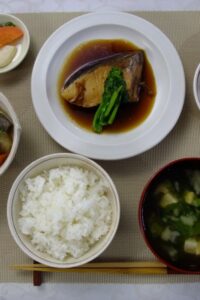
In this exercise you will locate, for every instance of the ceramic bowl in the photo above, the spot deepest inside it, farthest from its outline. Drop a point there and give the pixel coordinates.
(8, 109)
(14, 207)
(22, 44)
(161, 242)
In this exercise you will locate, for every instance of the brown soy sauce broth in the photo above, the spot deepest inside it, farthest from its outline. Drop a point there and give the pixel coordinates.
(132, 114)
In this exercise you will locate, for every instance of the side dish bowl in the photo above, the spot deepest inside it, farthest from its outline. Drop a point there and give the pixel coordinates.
(8, 109)
(169, 215)
(22, 45)
(59, 161)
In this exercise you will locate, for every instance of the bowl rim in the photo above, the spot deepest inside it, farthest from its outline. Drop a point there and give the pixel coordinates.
(10, 221)
(16, 134)
(195, 82)
(140, 214)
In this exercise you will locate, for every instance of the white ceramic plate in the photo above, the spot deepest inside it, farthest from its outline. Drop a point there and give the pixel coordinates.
(167, 69)
(22, 44)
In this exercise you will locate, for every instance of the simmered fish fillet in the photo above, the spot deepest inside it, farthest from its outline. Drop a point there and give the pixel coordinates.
(85, 86)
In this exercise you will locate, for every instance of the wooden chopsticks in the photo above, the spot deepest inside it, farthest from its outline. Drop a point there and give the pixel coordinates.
(104, 267)
(37, 275)
(129, 268)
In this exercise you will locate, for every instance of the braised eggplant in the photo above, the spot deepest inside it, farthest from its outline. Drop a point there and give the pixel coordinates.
(6, 127)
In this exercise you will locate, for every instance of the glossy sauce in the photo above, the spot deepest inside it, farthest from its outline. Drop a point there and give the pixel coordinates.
(130, 115)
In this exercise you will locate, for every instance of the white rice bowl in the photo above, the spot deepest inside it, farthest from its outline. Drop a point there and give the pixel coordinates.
(63, 210)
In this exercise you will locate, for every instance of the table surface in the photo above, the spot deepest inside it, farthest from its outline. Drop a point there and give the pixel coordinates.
(98, 291)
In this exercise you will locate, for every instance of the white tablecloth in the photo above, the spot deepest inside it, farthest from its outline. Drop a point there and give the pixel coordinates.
(93, 5)
(189, 291)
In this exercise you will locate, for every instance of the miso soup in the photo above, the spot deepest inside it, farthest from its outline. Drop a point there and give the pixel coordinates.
(171, 215)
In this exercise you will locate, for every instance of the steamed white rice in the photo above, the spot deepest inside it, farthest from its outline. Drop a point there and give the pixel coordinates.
(65, 211)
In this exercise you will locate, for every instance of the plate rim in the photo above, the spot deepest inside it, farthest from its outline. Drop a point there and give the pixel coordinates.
(85, 151)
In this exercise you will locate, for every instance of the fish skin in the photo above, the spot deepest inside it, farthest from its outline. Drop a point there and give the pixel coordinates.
(85, 86)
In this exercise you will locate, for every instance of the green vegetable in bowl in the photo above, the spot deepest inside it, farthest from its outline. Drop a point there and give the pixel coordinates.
(114, 94)
(7, 24)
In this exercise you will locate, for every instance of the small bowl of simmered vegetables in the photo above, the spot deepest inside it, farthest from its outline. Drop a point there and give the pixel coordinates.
(10, 131)
(169, 215)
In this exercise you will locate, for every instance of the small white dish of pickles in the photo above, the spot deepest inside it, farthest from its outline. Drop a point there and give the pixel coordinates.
(14, 42)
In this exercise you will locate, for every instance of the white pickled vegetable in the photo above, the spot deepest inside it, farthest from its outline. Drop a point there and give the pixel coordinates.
(7, 53)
